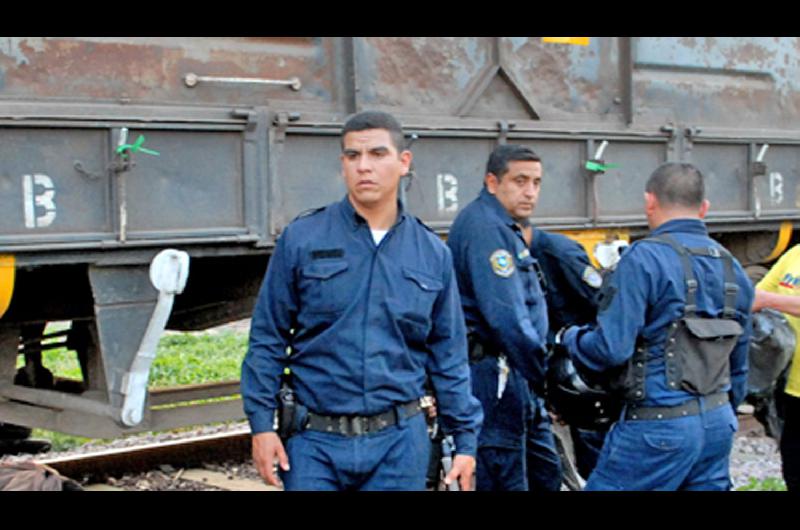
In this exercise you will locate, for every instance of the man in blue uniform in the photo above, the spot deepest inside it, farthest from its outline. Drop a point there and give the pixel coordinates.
(506, 315)
(571, 287)
(362, 297)
(675, 320)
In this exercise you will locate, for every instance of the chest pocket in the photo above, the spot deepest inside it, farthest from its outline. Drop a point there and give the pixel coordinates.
(422, 293)
(323, 287)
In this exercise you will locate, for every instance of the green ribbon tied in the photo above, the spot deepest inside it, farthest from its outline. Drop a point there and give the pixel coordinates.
(135, 147)
(596, 166)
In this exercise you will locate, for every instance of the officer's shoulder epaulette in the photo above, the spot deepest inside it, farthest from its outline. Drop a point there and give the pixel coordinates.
(309, 212)
(420, 221)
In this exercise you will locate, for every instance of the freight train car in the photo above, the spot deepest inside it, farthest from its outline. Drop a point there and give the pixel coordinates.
(114, 149)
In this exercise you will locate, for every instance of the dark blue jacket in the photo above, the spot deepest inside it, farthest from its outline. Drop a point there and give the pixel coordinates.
(369, 323)
(645, 294)
(504, 308)
(571, 282)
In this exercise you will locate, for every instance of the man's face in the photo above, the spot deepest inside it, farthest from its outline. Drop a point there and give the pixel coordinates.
(519, 188)
(372, 167)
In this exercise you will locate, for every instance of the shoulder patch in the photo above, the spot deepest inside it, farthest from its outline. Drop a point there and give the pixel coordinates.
(591, 277)
(502, 263)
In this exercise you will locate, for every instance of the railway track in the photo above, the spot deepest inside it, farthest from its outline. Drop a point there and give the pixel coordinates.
(196, 459)
(166, 462)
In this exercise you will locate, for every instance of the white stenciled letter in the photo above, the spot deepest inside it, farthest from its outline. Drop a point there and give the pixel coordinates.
(43, 200)
(447, 192)
(776, 187)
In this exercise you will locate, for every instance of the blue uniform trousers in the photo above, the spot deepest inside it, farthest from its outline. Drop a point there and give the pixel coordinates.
(500, 469)
(542, 461)
(688, 453)
(588, 444)
(500, 463)
(393, 459)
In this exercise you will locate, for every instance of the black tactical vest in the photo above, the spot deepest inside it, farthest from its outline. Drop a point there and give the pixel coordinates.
(697, 350)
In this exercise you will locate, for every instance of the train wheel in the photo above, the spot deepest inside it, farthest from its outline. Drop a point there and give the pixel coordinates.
(756, 272)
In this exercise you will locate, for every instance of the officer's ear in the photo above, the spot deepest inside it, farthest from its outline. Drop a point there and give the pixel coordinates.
(704, 206)
(405, 159)
(650, 203)
(492, 182)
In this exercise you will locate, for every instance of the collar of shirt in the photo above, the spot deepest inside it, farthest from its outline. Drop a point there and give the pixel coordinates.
(495, 207)
(691, 226)
(354, 220)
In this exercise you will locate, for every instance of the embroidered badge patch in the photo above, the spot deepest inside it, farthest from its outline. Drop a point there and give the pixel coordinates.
(502, 263)
(591, 277)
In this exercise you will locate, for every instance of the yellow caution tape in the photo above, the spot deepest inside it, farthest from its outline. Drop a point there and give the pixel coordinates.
(579, 41)
(7, 271)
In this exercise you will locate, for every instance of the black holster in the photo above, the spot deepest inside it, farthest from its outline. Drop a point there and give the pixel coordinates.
(478, 350)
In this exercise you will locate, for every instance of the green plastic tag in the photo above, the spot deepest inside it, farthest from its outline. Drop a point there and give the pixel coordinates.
(134, 147)
(595, 166)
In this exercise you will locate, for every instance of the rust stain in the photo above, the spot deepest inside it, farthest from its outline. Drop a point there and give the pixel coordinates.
(419, 68)
(111, 70)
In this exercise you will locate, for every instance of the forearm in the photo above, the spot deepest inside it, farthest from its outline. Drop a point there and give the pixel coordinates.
(780, 302)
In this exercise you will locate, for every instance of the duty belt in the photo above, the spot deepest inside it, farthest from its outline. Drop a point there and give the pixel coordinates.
(689, 408)
(358, 425)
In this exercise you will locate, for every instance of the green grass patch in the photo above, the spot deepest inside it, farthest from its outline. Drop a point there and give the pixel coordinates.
(767, 484)
(181, 359)
(185, 359)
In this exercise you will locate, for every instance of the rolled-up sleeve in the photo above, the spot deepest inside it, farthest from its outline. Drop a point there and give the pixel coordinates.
(448, 368)
(274, 313)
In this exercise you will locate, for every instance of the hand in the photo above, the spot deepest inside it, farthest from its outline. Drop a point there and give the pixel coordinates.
(267, 448)
(463, 470)
(559, 338)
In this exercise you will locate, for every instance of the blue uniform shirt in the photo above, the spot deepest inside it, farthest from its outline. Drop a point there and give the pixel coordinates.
(645, 294)
(369, 323)
(571, 281)
(505, 309)
(503, 301)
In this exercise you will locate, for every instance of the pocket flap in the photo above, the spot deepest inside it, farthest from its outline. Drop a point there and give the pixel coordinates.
(710, 328)
(426, 282)
(324, 270)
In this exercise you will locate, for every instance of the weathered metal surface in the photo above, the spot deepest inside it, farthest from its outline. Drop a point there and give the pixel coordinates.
(239, 160)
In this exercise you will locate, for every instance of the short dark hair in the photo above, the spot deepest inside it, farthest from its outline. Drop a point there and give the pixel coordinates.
(677, 184)
(505, 153)
(375, 119)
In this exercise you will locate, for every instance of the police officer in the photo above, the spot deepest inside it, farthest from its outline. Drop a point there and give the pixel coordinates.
(506, 315)
(363, 297)
(571, 287)
(675, 321)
